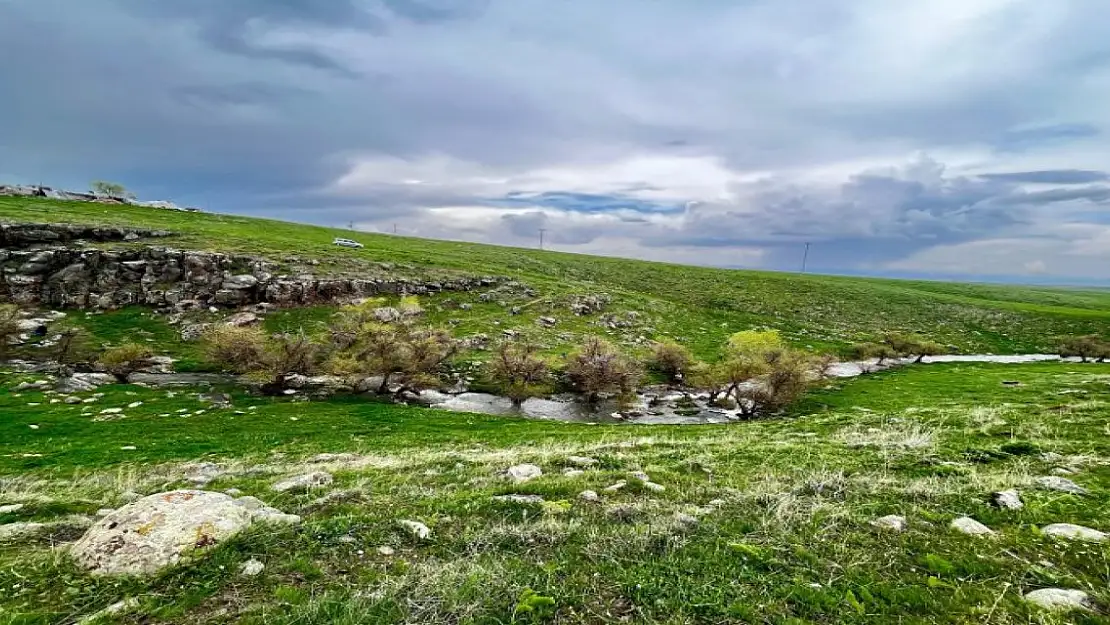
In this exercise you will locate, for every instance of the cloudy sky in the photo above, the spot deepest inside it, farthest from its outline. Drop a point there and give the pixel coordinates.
(959, 138)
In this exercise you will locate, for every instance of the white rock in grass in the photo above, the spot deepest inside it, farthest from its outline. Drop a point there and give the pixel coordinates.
(523, 472)
(640, 475)
(520, 499)
(117, 608)
(615, 487)
(589, 496)
(568, 472)
(1061, 484)
(301, 483)
(891, 522)
(10, 508)
(416, 529)
(653, 487)
(1008, 500)
(20, 531)
(582, 462)
(156, 531)
(251, 568)
(1059, 599)
(971, 527)
(1073, 532)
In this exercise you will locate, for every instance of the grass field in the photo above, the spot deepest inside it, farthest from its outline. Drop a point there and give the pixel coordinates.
(760, 522)
(699, 306)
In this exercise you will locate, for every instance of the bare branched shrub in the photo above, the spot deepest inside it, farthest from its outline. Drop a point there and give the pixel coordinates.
(124, 360)
(72, 344)
(238, 349)
(599, 368)
(518, 371)
(671, 359)
(1089, 347)
(269, 358)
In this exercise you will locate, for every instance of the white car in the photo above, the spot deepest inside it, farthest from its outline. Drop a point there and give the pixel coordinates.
(346, 242)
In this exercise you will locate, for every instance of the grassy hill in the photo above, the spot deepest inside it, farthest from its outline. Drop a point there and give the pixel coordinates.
(699, 306)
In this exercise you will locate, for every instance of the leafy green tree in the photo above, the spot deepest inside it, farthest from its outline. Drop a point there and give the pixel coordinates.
(1088, 347)
(104, 188)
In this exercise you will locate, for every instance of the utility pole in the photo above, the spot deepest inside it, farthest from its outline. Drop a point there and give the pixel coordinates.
(542, 230)
(805, 257)
(394, 228)
(350, 225)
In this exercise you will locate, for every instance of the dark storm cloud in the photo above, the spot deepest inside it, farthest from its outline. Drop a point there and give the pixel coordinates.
(709, 124)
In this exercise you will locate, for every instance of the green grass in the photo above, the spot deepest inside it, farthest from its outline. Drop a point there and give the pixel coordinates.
(699, 306)
(789, 544)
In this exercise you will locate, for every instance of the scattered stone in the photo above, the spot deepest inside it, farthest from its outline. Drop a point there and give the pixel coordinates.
(156, 531)
(582, 462)
(116, 609)
(111, 411)
(233, 492)
(242, 319)
(11, 508)
(1073, 532)
(653, 487)
(589, 496)
(201, 474)
(103, 512)
(1008, 500)
(971, 527)
(72, 400)
(520, 499)
(523, 472)
(1051, 456)
(345, 457)
(251, 568)
(416, 529)
(615, 487)
(547, 322)
(892, 522)
(301, 483)
(1061, 484)
(1058, 599)
(569, 472)
(685, 521)
(1063, 471)
(386, 550)
(640, 475)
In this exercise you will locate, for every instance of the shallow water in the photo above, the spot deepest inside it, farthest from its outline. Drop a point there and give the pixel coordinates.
(661, 408)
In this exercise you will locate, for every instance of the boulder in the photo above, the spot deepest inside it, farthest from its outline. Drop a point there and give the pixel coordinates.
(416, 529)
(1061, 484)
(971, 527)
(301, 483)
(1007, 500)
(519, 499)
(1059, 599)
(582, 462)
(240, 282)
(1073, 532)
(251, 568)
(523, 472)
(242, 319)
(891, 522)
(589, 496)
(156, 531)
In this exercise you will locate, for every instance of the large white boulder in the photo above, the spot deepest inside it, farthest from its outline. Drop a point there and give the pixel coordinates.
(1059, 599)
(156, 531)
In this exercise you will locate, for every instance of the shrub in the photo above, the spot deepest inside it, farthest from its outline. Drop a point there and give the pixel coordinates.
(9, 326)
(867, 351)
(402, 352)
(1085, 348)
(72, 344)
(239, 349)
(671, 359)
(897, 345)
(518, 371)
(761, 372)
(597, 367)
(110, 189)
(124, 360)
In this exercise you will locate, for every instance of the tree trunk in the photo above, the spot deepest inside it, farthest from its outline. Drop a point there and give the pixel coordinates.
(384, 387)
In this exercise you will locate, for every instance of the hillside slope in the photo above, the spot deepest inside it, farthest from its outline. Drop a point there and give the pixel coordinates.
(695, 304)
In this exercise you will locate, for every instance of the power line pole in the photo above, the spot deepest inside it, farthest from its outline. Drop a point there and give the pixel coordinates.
(394, 228)
(805, 257)
(542, 230)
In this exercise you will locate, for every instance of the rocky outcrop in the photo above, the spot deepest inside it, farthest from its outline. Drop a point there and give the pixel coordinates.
(165, 277)
(23, 236)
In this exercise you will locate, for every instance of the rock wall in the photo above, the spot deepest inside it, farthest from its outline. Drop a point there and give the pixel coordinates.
(22, 236)
(164, 277)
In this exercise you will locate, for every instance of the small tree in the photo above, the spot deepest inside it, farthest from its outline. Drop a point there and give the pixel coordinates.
(72, 344)
(911, 345)
(238, 349)
(269, 358)
(1085, 348)
(124, 360)
(9, 327)
(402, 351)
(671, 359)
(866, 351)
(760, 372)
(518, 371)
(598, 367)
(104, 188)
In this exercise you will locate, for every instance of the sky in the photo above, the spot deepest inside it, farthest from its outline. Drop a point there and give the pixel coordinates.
(952, 138)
